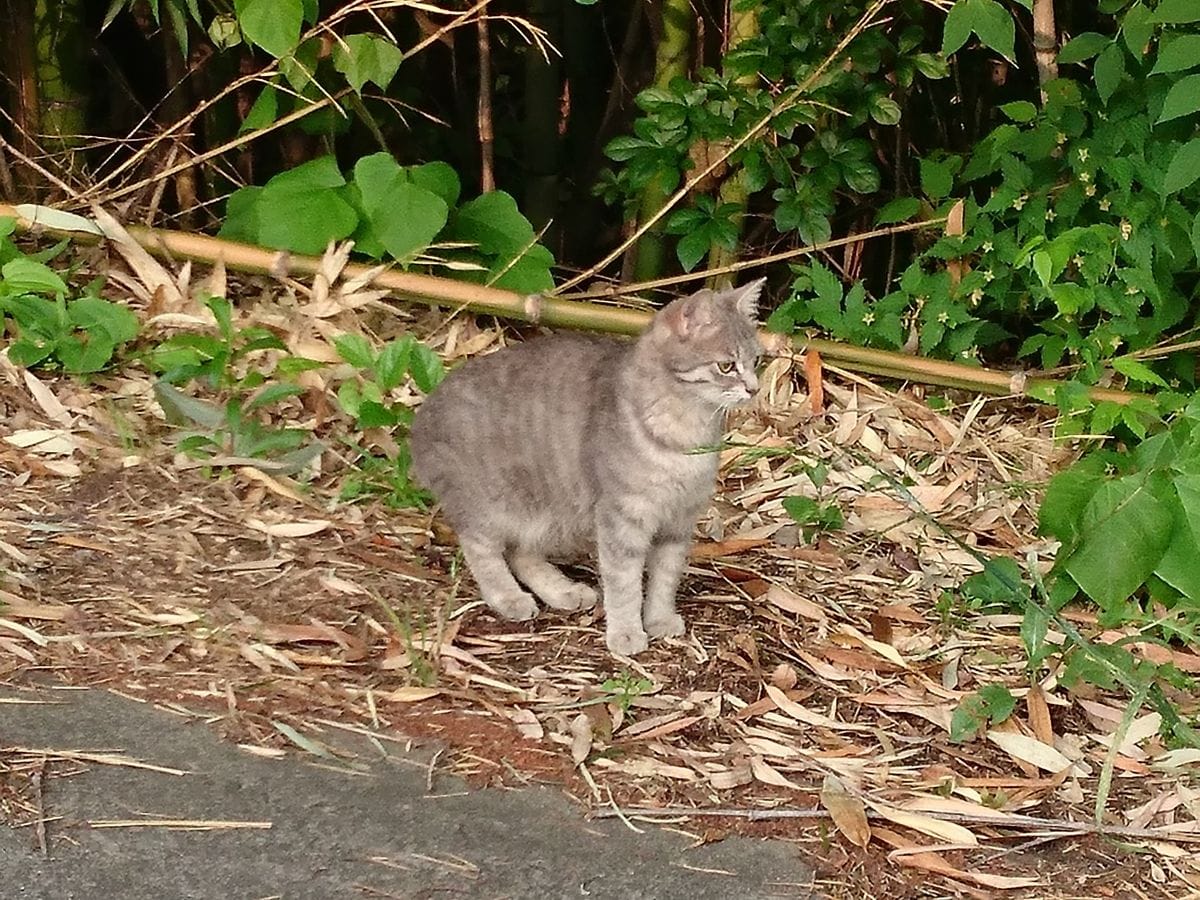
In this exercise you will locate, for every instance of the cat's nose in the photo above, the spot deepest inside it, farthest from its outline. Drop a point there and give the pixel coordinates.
(750, 380)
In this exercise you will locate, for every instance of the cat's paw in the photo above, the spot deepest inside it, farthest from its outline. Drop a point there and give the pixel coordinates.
(574, 596)
(668, 626)
(626, 641)
(516, 606)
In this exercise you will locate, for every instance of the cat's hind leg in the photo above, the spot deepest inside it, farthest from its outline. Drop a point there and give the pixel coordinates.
(499, 589)
(550, 585)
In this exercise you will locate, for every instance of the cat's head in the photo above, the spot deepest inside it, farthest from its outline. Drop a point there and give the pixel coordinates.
(709, 342)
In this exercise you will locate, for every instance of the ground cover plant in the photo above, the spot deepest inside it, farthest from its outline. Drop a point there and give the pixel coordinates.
(948, 593)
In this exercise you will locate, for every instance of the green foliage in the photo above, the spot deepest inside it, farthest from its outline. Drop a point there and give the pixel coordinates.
(237, 424)
(81, 334)
(1129, 524)
(397, 212)
(990, 705)
(625, 687)
(813, 154)
(813, 517)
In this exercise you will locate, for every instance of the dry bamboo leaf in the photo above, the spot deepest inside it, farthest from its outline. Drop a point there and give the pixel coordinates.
(581, 738)
(768, 775)
(409, 694)
(290, 529)
(784, 677)
(1039, 715)
(527, 723)
(148, 270)
(887, 651)
(790, 601)
(28, 633)
(847, 811)
(45, 398)
(801, 714)
(949, 832)
(933, 862)
(17, 650)
(50, 441)
(727, 779)
(1029, 750)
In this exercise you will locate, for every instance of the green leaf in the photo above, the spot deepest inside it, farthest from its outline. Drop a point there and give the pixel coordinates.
(180, 408)
(1137, 28)
(899, 210)
(692, 248)
(392, 363)
(1124, 531)
(1177, 12)
(1083, 47)
(407, 218)
(367, 57)
(937, 178)
(303, 221)
(1020, 111)
(24, 275)
(272, 393)
(1109, 70)
(356, 350)
(494, 223)
(1183, 99)
(94, 314)
(1135, 370)
(1177, 53)
(426, 367)
(273, 25)
(80, 354)
(1184, 167)
(992, 703)
(322, 172)
(438, 177)
(989, 20)
(1042, 265)
(264, 111)
(1178, 566)
(885, 110)
(1068, 495)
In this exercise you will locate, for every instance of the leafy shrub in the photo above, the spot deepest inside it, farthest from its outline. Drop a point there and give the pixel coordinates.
(394, 212)
(80, 334)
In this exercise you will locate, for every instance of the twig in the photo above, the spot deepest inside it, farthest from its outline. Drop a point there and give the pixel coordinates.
(1008, 820)
(39, 826)
(106, 759)
(487, 174)
(185, 824)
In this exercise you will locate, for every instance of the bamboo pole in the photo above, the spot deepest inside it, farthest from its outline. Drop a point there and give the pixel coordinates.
(557, 312)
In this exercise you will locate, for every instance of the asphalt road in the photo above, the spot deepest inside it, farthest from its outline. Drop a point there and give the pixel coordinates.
(331, 835)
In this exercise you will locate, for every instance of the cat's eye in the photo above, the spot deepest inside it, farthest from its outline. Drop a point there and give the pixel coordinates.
(726, 368)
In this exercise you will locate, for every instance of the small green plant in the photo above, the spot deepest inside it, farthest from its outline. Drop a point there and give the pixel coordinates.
(624, 688)
(365, 398)
(1129, 523)
(81, 334)
(990, 705)
(813, 517)
(238, 424)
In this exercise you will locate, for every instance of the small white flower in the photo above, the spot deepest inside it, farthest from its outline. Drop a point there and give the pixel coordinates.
(1019, 203)
(987, 275)
(987, 246)
(1083, 154)
(868, 319)
(976, 296)
(1085, 177)
(943, 317)
(1051, 215)
(1061, 137)
(1090, 190)
(1126, 229)
(1115, 343)
(1105, 203)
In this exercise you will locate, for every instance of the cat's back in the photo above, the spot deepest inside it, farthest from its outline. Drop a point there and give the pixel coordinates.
(514, 417)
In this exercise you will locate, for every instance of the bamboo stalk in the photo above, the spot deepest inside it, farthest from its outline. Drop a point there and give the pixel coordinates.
(487, 177)
(557, 312)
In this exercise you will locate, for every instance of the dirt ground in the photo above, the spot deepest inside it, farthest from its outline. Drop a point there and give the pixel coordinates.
(815, 686)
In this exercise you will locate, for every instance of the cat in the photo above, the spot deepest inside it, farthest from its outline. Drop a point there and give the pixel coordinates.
(567, 444)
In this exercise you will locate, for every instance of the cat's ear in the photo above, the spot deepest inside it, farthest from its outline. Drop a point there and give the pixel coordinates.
(745, 298)
(681, 317)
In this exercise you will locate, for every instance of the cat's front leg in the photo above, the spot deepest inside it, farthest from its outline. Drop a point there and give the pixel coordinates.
(622, 560)
(664, 568)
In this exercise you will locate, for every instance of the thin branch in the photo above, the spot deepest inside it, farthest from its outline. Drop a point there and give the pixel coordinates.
(487, 174)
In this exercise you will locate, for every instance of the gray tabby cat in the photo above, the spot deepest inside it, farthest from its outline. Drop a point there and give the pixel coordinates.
(568, 444)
